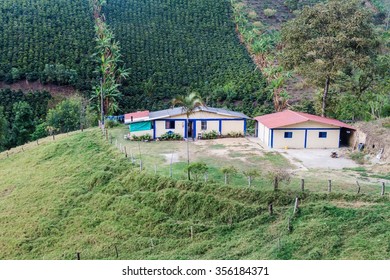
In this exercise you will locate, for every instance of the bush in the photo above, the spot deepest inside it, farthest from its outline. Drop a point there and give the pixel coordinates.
(197, 169)
(269, 12)
(252, 15)
(210, 135)
(171, 136)
(234, 134)
(145, 137)
(111, 123)
(258, 24)
(357, 157)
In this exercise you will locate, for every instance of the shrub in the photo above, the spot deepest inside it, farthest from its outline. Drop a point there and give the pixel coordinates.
(210, 135)
(258, 24)
(197, 169)
(171, 136)
(111, 123)
(145, 137)
(269, 12)
(252, 15)
(234, 134)
(357, 157)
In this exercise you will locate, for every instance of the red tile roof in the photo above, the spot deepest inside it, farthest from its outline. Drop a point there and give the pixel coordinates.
(137, 115)
(289, 117)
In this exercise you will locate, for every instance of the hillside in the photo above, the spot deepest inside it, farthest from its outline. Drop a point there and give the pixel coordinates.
(191, 45)
(37, 33)
(78, 194)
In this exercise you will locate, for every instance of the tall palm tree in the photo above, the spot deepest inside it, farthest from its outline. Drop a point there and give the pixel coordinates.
(189, 104)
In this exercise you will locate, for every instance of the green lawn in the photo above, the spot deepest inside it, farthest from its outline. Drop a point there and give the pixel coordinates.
(79, 194)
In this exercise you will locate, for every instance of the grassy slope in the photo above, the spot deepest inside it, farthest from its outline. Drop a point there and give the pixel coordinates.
(78, 194)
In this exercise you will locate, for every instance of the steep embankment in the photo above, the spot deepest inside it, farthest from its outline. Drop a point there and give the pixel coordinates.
(77, 194)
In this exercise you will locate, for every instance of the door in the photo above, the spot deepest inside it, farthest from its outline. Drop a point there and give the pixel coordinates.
(190, 129)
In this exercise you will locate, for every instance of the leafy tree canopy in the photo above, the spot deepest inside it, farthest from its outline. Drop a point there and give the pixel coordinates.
(329, 39)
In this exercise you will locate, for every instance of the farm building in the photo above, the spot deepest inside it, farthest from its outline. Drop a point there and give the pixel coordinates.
(289, 129)
(204, 119)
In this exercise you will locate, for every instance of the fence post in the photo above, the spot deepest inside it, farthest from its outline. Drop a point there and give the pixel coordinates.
(289, 228)
(206, 177)
(192, 232)
(358, 190)
(78, 255)
(116, 251)
(276, 183)
(270, 209)
(37, 142)
(155, 169)
(106, 135)
(303, 185)
(140, 165)
(125, 151)
(383, 189)
(329, 185)
(296, 205)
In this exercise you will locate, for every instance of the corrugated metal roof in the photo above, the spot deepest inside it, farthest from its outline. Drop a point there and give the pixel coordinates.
(289, 117)
(138, 114)
(179, 111)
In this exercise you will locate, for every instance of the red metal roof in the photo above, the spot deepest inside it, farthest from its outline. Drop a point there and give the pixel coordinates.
(137, 115)
(289, 117)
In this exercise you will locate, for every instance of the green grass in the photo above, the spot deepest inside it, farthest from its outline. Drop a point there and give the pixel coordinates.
(79, 194)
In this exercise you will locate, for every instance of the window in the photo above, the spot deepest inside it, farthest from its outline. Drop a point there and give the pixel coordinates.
(288, 135)
(204, 125)
(322, 134)
(169, 124)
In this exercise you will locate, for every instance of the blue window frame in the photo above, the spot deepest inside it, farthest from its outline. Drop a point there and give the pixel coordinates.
(169, 124)
(203, 125)
(322, 134)
(288, 135)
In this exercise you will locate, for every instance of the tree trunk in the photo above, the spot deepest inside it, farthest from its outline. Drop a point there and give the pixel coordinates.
(324, 97)
(188, 151)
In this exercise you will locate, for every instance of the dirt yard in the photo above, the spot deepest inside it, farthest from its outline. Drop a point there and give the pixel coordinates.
(318, 158)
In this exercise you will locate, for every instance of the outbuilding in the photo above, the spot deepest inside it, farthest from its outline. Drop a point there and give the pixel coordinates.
(289, 129)
(203, 119)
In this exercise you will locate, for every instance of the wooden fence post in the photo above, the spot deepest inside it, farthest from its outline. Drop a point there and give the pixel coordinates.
(116, 251)
(296, 205)
(206, 177)
(192, 232)
(270, 209)
(125, 152)
(106, 135)
(302, 185)
(329, 185)
(383, 189)
(358, 189)
(276, 183)
(155, 169)
(289, 228)
(78, 255)
(140, 165)
(37, 142)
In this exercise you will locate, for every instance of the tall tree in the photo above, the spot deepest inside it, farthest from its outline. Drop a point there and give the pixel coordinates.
(3, 130)
(189, 104)
(109, 58)
(65, 116)
(328, 39)
(22, 124)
